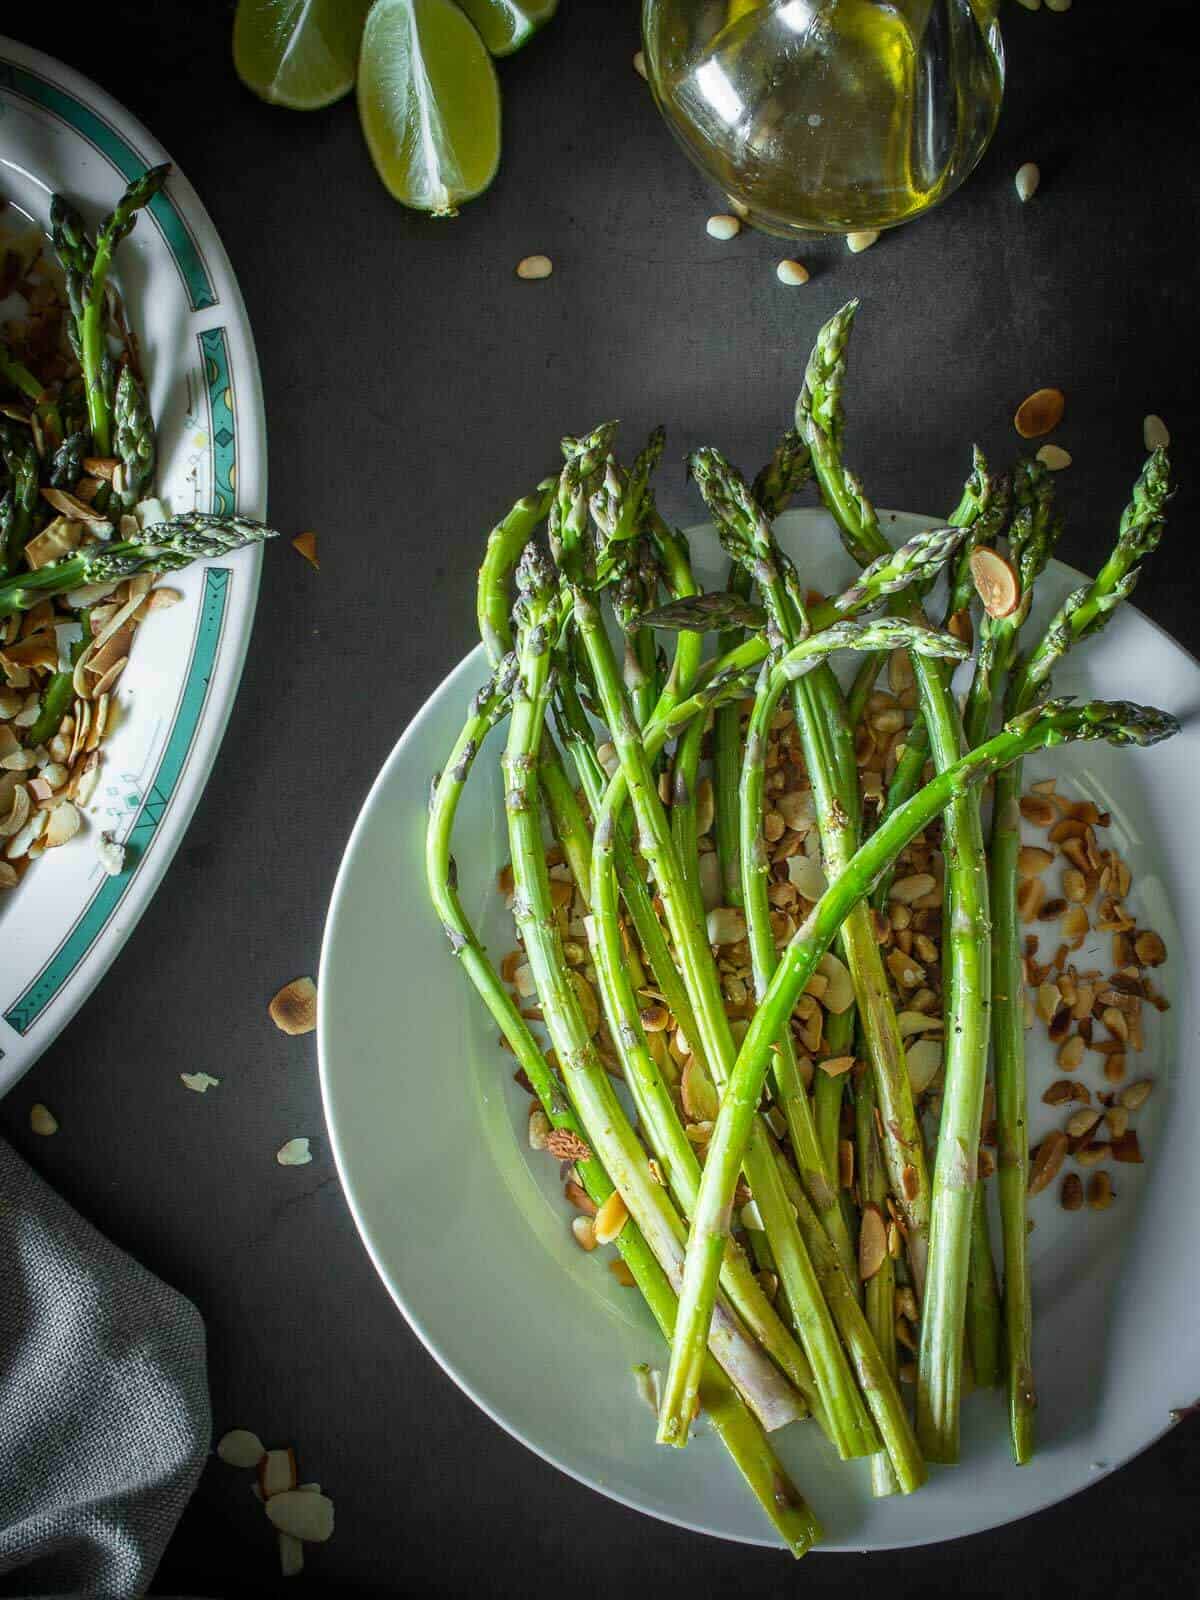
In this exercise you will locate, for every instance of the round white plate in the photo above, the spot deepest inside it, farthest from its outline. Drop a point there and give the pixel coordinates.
(470, 1233)
(66, 921)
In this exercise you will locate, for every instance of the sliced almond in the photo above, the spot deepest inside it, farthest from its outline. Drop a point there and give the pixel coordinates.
(1038, 809)
(1031, 892)
(302, 1514)
(42, 1120)
(1091, 1155)
(241, 1448)
(1100, 1191)
(835, 1066)
(295, 1153)
(63, 825)
(588, 1003)
(845, 1163)
(306, 545)
(839, 996)
(1082, 1121)
(912, 888)
(1116, 1122)
(1064, 1091)
(579, 1198)
(294, 1009)
(726, 925)
(1134, 1095)
(1075, 924)
(584, 1230)
(610, 1219)
(1127, 1148)
(995, 581)
(1032, 859)
(872, 1242)
(1149, 949)
(277, 1472)
(924, 1061)
(1046, 1161)
(1071, 1193)
(1070, 1054)
(1039, 413)
(697, 1092)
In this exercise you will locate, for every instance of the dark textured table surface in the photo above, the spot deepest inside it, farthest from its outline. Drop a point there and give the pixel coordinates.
(413, 388)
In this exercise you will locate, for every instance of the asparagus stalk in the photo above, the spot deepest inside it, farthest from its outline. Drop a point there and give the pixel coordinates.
(1082, 615)
(1043, 727)
(133, 437)
(829, 755)
(967, 941)
(21, 506)
(606, 1128)
(87, 267)
(880, 1288)
(735, 1425)
(162, 547)
(849, 1423)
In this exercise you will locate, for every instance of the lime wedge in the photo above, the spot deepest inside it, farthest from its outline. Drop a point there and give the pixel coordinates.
(298, 53)
(429, 104)
(505, 25)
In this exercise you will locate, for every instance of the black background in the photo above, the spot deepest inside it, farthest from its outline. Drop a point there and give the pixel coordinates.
(414, 387)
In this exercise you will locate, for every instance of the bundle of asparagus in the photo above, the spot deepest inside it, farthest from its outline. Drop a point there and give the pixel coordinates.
(82, 536)
(770, 1193)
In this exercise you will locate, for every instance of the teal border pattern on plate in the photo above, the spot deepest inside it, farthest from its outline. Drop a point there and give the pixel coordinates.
(218, 385)
(104, 902)
(47, 94)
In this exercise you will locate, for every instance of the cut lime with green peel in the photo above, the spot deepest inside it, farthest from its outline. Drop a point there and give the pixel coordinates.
(429, 103)
(302, 54)
(505, 25)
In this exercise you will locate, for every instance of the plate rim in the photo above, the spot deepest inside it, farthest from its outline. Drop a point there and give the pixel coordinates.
(22, 1049)
(468, 667)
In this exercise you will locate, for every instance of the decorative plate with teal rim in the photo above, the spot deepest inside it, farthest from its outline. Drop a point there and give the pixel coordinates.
(62, 926)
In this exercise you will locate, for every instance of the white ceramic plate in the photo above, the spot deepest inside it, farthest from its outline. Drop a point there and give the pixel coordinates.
(63, 925)
(470, 1234)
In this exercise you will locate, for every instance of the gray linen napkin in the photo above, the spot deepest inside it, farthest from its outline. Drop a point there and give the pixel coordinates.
(104, 1414)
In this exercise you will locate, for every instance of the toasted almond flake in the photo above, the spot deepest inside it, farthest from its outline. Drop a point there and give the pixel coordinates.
(584, 1230)
(722, 227)
(63, 825)
(1039, 413)
(1032, 859)
(42, 1120)
(1127, 1149)
(1071, 1053)
(1100, 1191)
(302, 1514)
(240, 1448)
(995, 581)
(539, 1128)
(622, 1274)
(1071, 1193)
(18, 812)
(1054, 458)
(1027, 179)
(726, 925)
(294, 1009)
(1038, 809)
(1149, 949)
(807, 876)
(1030, 894)
(306, 544)
(611, 1218)
(1116, 1122)
(705, 806)
(839, 996)
(648, 1383)
(1046, 1161)
(8, 876)
(277, 1472)
(861, 240)
(1064, 1091)
(697, 1092)
(1155, 433)
(291, 1556)
(872, 1242)
(836, 1066)
(198, 1082)
(924, 1059)
(793, 273)
(1075, 926)
(912, 888)
(579, 1198)
(1090, 1155)
(1134, 1095)
(162, 599)
(295, 1153)
(639, 66)
(1082, 1121)
(533, 267)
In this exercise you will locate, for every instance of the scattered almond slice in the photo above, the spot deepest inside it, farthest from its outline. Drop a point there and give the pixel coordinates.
(295, 1153)
(294, 1008)
(241, 1448)
(872, 1242)
(198, 1082)
(306, 544)
(995, 582)
(302, 1514)
(1039, 413)
(42, 1120)
(277, 1472)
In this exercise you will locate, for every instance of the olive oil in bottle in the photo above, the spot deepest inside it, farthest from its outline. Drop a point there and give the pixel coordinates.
(828, 115)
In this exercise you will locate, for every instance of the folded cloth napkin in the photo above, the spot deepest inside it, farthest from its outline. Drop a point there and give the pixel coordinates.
(104, 1414)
